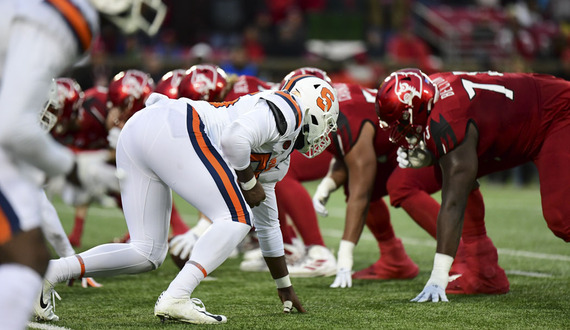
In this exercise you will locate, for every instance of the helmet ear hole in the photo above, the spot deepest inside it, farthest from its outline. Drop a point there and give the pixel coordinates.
(314, 120)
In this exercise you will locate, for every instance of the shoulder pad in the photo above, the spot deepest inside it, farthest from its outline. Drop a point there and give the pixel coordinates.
(280, 120)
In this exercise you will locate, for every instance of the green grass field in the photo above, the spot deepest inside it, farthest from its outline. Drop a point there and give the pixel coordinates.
(537, 264)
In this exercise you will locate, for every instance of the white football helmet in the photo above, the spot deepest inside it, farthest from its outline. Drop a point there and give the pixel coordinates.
(320, 104)
(133, 15)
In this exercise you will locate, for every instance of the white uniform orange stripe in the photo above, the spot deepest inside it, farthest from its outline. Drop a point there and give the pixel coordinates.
(75, 19)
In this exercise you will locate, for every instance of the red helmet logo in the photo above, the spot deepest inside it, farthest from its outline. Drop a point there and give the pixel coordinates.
(403, 103)
(203, 82)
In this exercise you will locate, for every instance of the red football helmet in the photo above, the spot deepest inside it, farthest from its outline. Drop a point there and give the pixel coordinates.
(129, 90)
(306, 70)
(65, 98)
(403, 103)
(204, 82)
(168, 84)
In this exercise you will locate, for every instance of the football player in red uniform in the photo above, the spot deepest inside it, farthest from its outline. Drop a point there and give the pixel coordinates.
(473, 124)
(364, 160)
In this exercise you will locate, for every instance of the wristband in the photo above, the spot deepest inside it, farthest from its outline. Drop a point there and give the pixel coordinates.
(248, 185)
(440, 272)
(283, 282)
(345, 250)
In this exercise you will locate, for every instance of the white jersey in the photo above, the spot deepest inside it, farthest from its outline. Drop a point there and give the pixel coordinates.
(262, 129)
(39, 39)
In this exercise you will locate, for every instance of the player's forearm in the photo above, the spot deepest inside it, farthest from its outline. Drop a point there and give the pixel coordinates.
(449, 228)
(356, 211)
(277, 266)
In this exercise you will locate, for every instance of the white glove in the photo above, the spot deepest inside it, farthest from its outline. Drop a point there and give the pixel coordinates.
(344, 265)
(182, 245)
(321, 196)
(95, 175)
(414, 158)
(113, 137)
(434, 289)
(320, 207)
(343, 278)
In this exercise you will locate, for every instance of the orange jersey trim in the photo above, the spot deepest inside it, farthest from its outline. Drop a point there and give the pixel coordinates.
(76, 21)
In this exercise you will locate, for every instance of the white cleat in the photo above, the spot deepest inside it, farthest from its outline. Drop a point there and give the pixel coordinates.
(319, 261)
(190, 310)
(253, 261)
(44, 306)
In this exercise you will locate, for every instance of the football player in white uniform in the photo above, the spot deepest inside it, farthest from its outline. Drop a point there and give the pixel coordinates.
(38, 40)
(224, 159)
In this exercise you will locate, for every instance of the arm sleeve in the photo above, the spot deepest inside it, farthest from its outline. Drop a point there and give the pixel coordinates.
(266, 224)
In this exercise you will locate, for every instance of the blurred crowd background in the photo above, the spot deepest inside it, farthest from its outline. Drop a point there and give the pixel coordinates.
(357, 41)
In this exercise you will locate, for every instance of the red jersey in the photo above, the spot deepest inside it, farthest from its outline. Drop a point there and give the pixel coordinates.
(246, 85)
(512, 113)
(356, 105)
(92, 133)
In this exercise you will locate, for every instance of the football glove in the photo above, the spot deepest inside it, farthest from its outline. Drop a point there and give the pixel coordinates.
(434, 290)
(344, 265)
(95, 175)
(321, 196)
(182, 245)
(113, 137)
(417, 157)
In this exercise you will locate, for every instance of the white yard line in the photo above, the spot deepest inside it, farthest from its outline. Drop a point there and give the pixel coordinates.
(113, 212)
(431, 243)
(528, 274)
(45, 326)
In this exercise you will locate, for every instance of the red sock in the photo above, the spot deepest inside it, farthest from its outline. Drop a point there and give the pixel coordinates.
(474, 223)
(295, 201)
(378, 221)
(176, 223)
(76, 231)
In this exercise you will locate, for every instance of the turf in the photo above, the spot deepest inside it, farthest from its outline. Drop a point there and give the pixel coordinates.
(537, 264)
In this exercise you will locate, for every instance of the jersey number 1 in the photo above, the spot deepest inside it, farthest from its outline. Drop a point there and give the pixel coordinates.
(471, 86)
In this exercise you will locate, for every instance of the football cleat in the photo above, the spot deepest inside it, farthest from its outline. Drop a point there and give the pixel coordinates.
(190, 310)
(253, 261)
(319, 261)
(44, 306)
(479, 269)
(393, 264)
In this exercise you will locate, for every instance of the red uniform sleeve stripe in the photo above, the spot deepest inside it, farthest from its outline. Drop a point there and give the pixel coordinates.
(76, 21)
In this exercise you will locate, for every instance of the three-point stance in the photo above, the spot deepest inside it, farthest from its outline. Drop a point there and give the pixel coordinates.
(224, 159)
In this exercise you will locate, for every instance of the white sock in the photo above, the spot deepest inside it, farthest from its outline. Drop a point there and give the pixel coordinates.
(210, 251)
(101, 261)
(63, 269)
(19, 286)
(186, 281)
